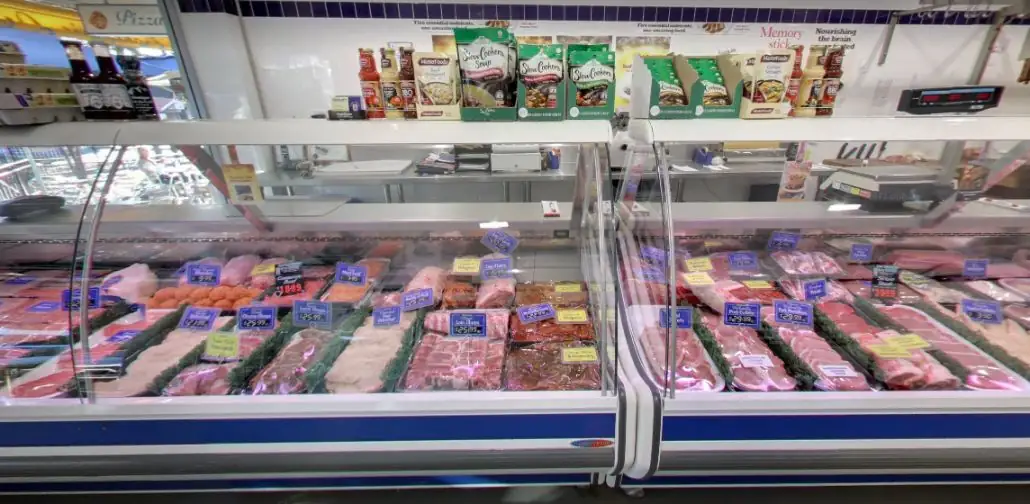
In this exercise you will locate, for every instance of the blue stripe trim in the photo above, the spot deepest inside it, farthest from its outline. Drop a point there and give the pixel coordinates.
(823, 479)
(485, 11)
(307, 430)
(296, 483)
(839, 427)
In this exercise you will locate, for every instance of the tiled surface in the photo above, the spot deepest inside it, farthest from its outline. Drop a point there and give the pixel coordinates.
(516, 12)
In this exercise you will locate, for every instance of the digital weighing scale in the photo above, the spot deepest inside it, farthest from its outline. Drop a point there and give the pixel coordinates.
(884, 186)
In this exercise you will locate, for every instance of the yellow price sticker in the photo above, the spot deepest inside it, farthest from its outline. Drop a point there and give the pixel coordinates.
(855, 191)
(699, 278)
(571, 355)
(712, 243)
(572, 317)
(888, 351)
(758, 284)
(699, 264)
(908, 341)
(568, 287)
(466, 265)
(263, 269)
(222, 345)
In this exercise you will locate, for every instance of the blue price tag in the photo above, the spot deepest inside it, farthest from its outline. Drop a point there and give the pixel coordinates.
(500, 242)
(351, 274)
(122, 336)
(783, 240)
(742, 314)
(975, 268)
(199, 319)
(743, 261)
(535, 313)
(862, 252)
(313, 314)
(209, 275)
(387, 316)
(71, 299)
(684, 318)
(140, 309)
(793, 313)
(490, 269)
(815, 289)
(647, 274)
(984, 312)
(468, 325)
(256, 318)
(653, 255)
(21, 280)
(413, 300)
(45, 307)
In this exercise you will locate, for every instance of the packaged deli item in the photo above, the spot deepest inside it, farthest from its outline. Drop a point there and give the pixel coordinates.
(993, 291)
(754, 366)
(985, 373)
(590, 92)
(455, 363)
(833, 372)
(556, 294)
(577, 326)
(553, 366)
(486, 62)
(362, 364)
(541, 82)
(799, 263)
(437, 85)
(211, 376)
(834, 291)
(457, 294)
(285, 374)
(496, 322)
(765, 87)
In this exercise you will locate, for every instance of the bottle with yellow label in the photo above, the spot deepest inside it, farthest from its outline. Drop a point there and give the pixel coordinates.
(390, 80)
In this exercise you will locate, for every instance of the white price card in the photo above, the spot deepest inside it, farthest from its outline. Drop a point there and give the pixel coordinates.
(838, 370)
(637, 208)
(550, 208)
(756, 361)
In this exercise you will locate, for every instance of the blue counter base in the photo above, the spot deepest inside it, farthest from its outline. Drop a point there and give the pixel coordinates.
(825, 479)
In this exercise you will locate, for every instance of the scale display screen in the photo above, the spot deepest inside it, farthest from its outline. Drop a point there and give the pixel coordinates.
(949, 100)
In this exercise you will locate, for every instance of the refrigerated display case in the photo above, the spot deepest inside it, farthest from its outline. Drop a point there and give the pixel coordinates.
(849, 333)
(279, 340)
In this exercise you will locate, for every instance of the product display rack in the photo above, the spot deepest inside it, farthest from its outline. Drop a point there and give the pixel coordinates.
(445, 438)
(819, 437)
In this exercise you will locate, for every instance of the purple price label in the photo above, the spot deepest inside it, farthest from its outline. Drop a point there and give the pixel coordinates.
(535, 313)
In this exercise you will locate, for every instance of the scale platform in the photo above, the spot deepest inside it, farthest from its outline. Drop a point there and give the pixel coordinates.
(894, 183)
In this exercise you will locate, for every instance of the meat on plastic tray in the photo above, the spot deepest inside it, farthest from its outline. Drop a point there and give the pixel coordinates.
(731, 291)
(376, 267)
(458, 294)
(995, 292)
(549, 330)
(832, 371)
(212, 378)
(1019, 286)
(359, 369)
(496, 293)
(856, 272)
(285, 374)
(1019, 313)
(795, 288)
(694, 370)
(984, 372)
(429, 277)
(1009, 335)
(445, 363)
(796, 262)
(540, 366)
(547, 292)
(930, 289)
(922, 260)
(35, 321)
(864, 290)
(345, 293)
(918, 372)
(745, 352)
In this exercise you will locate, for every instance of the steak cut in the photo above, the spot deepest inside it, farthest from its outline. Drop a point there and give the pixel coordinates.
(739, 345)
(693, 369)
(444, 363)
(540, 367)
(285, 374)
(457, 294)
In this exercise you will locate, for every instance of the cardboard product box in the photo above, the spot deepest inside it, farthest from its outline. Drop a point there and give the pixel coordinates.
(657, 88)
(541, 82)
(712, 87)
(486, 62)
(437, 88)
(766, 76)
(590, 91)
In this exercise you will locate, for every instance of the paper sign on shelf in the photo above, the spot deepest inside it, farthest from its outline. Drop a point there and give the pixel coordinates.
(758, 284)
(243, 184)
(888, 351)
(288, 278)
(699, 264)
(573, 316)
(465, 266)
(909, 341)
(568, 287)
(885, 281)
(550, 208)
(263, 269)
(222, 345)
(700, 278)
(575, 355)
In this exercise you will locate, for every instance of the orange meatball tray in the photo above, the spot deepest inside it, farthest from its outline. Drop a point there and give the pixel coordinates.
(224, 297)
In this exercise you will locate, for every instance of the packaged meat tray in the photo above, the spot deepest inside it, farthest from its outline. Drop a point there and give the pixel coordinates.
(722, 267)
(223, 297)
(134, 284)
(863, 340)
(993, 291)
(496, 293)
(1019, 286)
(376, 267)
(730, 291)
(798, 263)
(984, 372)
(694, 370)
(496, 322)
(364, 365)
(41, 321)
(564, 294)
(311, 289)
(864, 290)
(994, 270)
(923, 260)
(1018, 313)
(930, 288)
(345, 293)
(429, 277)
(549, 330)
(545, 366)
(211, 377)
(285, 374)
(795, 288)
(856, 272)
(833, 372)
(457, 294)
(445, 363)
(754, 366)
(1009, 336)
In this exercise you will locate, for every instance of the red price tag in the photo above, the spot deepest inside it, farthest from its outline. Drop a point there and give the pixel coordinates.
(289, 289)
(885, 293)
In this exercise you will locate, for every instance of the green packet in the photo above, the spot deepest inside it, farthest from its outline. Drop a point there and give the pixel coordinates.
(591, 85)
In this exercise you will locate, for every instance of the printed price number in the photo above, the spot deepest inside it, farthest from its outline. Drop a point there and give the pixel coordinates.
(291, 289)
(535, 313)
(203, 274)
(742, 314)
(198, 319)
(862, 252)
(469, 325)
(387, 316)
(983, 312)
(743, 261)
(415, 299)
(256, 318)
(491, 269)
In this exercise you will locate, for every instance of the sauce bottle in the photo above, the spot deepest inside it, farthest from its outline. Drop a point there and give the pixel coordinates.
(407, 75)
(371, 91)
(113, 86)
(796, 74)
(393, 99)
(811, 82)
(831, 80)
(142, 100)
(83, 82)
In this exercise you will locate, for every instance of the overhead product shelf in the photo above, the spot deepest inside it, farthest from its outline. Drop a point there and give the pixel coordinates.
(834, 129)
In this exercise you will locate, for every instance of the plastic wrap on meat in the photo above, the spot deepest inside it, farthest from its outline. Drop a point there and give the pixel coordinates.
(376, 267)
(458, 294)
(430, 277)
(995, 292)
(856, 272)
(496, 293)
(237, 270)
(387, 299)
(1019, 286)
(1019, 313)
(10, 355)
(360, 368)
(545, 292)
(443, 363)
(285, 374)
(201, 379)
(133, 284)
(1009, 335)
(922, 260)
(540, 367)
(266, 280)
(386, 249)
(864, 290)
(730, 291)
(930, 288)
(833, 372)
(549, 330)
(796, 262)
(207, 260)
(994, 270)
(984, 372)
(311, 288)
(694, 370)
(345, 293)
(496, 322)
(739, 346)
(795, 288)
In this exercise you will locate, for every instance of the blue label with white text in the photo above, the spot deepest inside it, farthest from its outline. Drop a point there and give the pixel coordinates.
(653, 255)
(413, 300)
(204, 274)
(122, 336)
(500, 242)
(650, 274)
(256, 318)
(984, 312)
(862, 252)
(21, 280)
(313, 314)
(351, 274)
(45, 307)
(783, 240)
(743, 261)
(535, 313)
(742, 314)
(199, 319)
(793, 313)
(387, 316)
(491, 269)
(468, 325)
(684, 318)
(975, 268)
(71, 299)
(815, 289)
